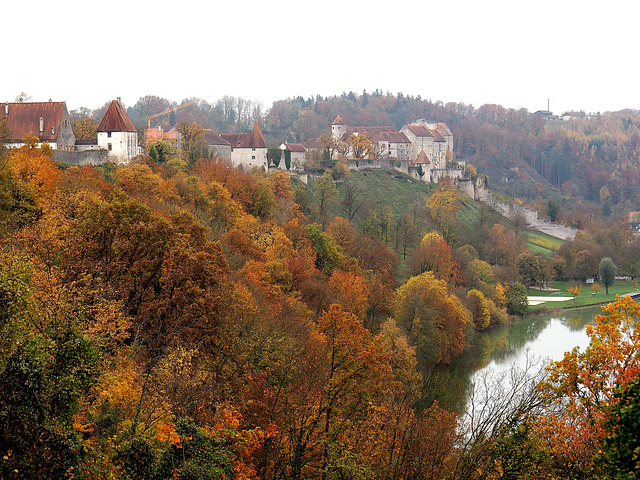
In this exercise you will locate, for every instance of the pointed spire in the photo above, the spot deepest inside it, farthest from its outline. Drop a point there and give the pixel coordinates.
(338, 121)
(116, 119)
(422, 158)
(257, 137)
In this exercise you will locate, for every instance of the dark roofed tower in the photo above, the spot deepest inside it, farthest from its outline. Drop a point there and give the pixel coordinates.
(117, 135)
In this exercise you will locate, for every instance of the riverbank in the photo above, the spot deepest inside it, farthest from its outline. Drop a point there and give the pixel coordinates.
(557, 297)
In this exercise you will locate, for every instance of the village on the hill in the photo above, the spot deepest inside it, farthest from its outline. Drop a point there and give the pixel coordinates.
(422, 150)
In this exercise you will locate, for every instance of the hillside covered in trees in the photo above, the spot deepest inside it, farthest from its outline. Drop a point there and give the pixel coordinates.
(184, 319)
(574, 171)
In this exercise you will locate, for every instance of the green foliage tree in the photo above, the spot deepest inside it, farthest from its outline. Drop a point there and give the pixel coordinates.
(619, 457)
(553, 209)
(608, 271)
(41, 384)
(517, 303)
(533, 269)
(327, 252)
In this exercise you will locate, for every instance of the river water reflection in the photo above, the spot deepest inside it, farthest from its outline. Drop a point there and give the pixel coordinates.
(537, 336)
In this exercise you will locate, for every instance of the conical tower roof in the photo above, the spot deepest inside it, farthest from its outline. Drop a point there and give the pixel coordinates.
(338, 121)
(257, 140)
(116, 119)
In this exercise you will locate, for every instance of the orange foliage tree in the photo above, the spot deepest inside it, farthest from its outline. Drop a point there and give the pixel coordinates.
(582, 385)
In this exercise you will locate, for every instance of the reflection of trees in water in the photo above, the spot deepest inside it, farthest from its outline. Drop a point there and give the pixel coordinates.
(446, 385)
(578, 319)
(451, 385)
(518, 335)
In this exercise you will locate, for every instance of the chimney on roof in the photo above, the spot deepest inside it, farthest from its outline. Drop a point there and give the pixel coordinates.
(6, 108)
(119, 101)
(41, 125)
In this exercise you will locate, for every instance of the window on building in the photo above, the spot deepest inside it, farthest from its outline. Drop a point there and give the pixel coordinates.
(109, 147)
(253, 149)
(253, 157)
(108, 134)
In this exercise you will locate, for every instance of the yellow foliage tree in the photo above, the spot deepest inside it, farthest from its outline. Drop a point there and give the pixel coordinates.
(479, 309)
(432, 318)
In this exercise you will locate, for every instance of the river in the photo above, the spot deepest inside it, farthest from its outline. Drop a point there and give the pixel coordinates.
(544, 337)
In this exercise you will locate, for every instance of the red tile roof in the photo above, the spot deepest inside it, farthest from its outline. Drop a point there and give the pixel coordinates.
(24, 119)
(422, 159)
(313, 143)
(246, 140)
(116, 119)
(158, 132)
(338, 121)
(393, 137)
(295, 147)
(444, 129)
(436, 135)
(418, 130)
(370, 132)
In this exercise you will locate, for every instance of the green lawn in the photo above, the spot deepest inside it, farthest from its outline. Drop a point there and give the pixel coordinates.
(381, 188)
(587, 297)
(542, 244)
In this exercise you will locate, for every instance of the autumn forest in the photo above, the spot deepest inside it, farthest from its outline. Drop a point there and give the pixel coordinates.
(179, 318)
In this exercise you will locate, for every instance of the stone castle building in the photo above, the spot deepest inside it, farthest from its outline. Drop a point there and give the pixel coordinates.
(423, 150)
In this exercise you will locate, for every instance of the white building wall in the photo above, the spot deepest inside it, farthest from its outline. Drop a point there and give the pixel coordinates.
(297, 161)
(337, 131)
(121, 146)
(249, 158)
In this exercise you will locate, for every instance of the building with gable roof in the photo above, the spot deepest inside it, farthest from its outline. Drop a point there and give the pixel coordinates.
(117, 135)
(293, 156)
(217, 145)
(47, 121)
(421, 149)
(248, 150)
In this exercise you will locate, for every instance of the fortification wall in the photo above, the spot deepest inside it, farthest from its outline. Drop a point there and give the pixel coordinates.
(77, 158)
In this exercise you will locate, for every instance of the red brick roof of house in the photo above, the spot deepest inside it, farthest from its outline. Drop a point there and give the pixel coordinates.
(422, 159)
(338, 121)
(295, 147)
(116, 119)
(246, 140)
(24, 119)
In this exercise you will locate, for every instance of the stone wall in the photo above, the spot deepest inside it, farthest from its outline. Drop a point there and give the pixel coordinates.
(77, 158)
(381, 163)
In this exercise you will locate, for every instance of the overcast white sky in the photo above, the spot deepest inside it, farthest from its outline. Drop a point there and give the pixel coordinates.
(582, 55)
